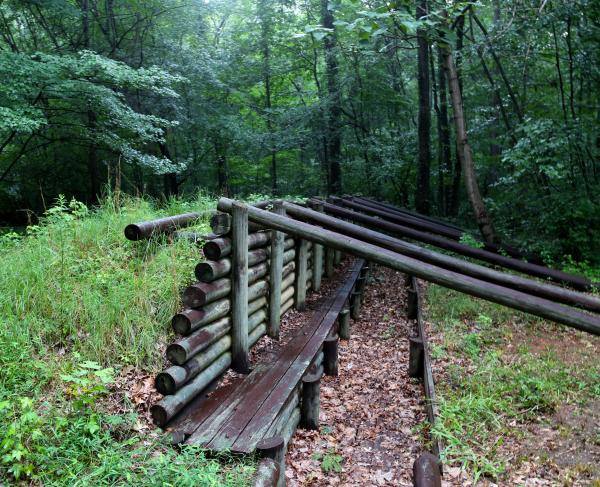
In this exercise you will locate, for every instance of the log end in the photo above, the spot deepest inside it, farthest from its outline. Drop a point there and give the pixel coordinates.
(159, 414)
(133, 232)
(165, 384)
(204, 272)
(212, 250)
(176, 354)
(181, 324)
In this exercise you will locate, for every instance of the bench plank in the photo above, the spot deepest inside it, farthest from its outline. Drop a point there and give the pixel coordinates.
(268, 411)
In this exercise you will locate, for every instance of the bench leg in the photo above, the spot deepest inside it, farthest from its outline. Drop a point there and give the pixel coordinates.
(344, 324)
(330, 356)
(274, 448)
(415, 357)
(309, 409)
(412, 304)
(355, 305)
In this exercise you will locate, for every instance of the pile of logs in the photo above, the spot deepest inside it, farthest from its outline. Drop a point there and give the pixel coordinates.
(276, 274)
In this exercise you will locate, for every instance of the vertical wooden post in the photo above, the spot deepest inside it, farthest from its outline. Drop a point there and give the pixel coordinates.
(415, 357)
(275, 272)
(355, 305)
(310, 405)
(301, 274)
(344, 324)
(330, 355)
(274, 448)
(329, 258)
(337, 257)
(239, 289)
(426, 471)
(412, 304)
(317, 259)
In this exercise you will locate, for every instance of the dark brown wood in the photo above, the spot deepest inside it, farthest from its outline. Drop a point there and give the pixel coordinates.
(142, 230)
(274, 449)
(426, 471)
(411, 304)
(344, 324)
(240, 280)
(512, 281)
(415, 358)
(330, 356)
(221, 247)
(355, 302)
(310, 405)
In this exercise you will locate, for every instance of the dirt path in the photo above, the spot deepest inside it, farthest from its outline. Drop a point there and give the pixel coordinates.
(368, 413)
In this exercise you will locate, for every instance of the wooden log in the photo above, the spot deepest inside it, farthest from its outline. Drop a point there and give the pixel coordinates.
(276, 276)
(426, 471)
(301, 274)
(220, 223)
(267, 473)
(576, 282)
(310, 405)
(221, 247)
(317, 267)
(169, 406)
(193, 237)
(211, 270)
(415, 358)
(274, 448)
(344, 324)
(287, 305)
(184, 349)
(288, 293)
(142, 230)
(453, 280)
(330, 355)
(329, 261)
(412, 304)
(283, 419)
(337, 257)
(258, 332)
(239, 289)
(190, 320)
(201, 293)
(355, 302)
(290, 428)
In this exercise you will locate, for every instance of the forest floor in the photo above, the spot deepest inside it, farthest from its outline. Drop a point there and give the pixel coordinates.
(519, 398)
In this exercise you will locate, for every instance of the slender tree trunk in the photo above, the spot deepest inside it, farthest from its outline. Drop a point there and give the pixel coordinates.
(334, 143)
(92, 159)
(457, 175)
(444, 152)
(464, 151)
(422, 199)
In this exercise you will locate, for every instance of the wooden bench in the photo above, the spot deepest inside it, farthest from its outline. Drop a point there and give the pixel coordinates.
(265, 403)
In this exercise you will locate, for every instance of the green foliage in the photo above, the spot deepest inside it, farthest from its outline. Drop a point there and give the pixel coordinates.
(331, 461)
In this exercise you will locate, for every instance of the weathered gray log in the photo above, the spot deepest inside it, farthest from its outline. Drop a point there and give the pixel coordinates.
(426, 471)
(184, 349)
(141, 230)
(415, 357)
(330, 355)
(220, 223)
(344, 324)
(577, 282)
(301, 274)
(317, 266)
(288, 431)
(284, 418)
(287, 305)
(355, 302)
(211, 270)
(337, 257)
(453, 280)
(239, 289)
(267, 473)
(258, 332)
(276, 275)
(190, 320)
(169, 406)
(201, 293)
(329, 261)
(412, 304)
(288, 293)
(221, 247)
(310, 405)
(274, 448)
(193, 237)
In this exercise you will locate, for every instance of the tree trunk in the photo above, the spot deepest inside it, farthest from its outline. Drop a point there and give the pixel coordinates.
(456, 177)
(222, 172)
(334, 111)
(445, 154)
(464, 151)
(422, 202)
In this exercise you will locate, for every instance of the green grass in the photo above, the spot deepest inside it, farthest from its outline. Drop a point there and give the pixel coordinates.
(492, 391)
(78, 302)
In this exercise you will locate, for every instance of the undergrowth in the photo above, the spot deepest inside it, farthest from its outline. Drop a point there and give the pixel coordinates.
(495, 384)
(78, 302)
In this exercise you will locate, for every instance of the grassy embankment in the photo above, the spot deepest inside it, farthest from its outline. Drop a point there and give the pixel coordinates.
(504, 377)
(77, 304)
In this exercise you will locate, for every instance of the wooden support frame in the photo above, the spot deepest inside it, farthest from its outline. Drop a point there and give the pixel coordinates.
(275, 276)
(301, 274)
(239, 295)
(344, 324)
(310, 404)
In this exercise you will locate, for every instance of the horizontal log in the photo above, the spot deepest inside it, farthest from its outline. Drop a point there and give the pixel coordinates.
(577, 282)
(287, 293)
(194, 237)
(190, 320)
(211, 270)
(184, 349)
(142, 230)
(221, 247)
(284, 417)
(289, 303)
(174, 377)
(492, 292)
(220, 223)
(201, 293)
(169, 406)
(530, 286)
(259, 332)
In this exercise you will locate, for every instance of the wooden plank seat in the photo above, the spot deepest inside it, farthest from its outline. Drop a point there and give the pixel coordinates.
(242, 414)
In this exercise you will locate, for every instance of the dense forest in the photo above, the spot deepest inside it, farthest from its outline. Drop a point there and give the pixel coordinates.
(311, 97)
